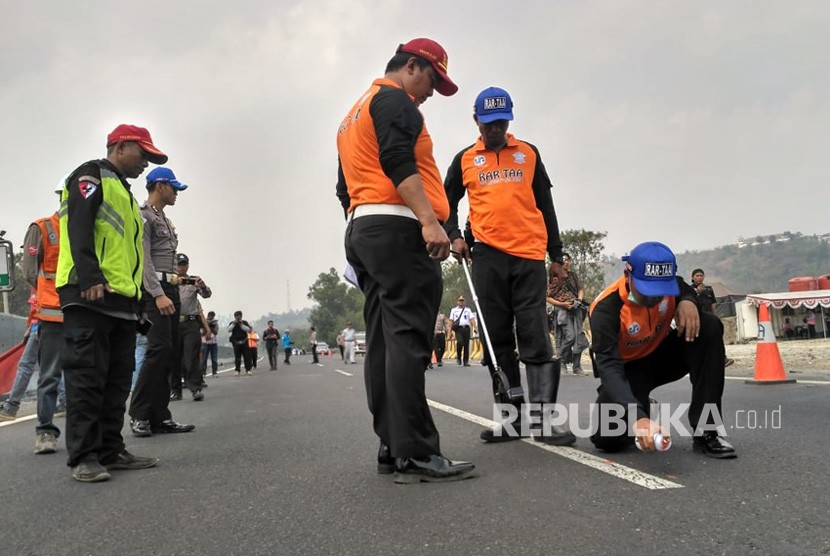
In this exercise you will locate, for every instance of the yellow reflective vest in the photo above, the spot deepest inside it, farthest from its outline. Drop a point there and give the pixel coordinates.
(119, 233)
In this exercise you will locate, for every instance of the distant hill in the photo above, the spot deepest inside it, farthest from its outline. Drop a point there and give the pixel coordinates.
(757, 265)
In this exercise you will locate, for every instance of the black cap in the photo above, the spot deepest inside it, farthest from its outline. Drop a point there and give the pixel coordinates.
(181, 258)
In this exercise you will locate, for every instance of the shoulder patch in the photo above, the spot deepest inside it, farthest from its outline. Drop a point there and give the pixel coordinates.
(87, 188)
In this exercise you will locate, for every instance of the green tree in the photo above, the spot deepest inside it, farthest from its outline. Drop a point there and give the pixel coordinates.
(337, 302)
(587, 259)
(455, 284)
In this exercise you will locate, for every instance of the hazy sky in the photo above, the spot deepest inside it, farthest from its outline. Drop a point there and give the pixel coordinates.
(692, 123)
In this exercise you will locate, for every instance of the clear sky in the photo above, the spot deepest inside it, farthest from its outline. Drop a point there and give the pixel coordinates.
(692, 123)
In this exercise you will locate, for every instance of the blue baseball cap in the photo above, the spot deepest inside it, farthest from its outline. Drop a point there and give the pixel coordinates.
(493, 104)
(164, 175)
(653, 269)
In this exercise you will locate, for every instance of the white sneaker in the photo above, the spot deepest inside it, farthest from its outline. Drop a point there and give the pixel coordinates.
(46, 443)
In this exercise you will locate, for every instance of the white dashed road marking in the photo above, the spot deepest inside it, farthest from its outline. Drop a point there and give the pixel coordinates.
(600, 464)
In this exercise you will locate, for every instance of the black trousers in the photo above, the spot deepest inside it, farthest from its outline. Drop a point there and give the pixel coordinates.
(271, 348)
(287, 355)
(512, 290)
(402, 288)
(98, 362)
(462, 344)
(151, 396)
(439, 345)
(314, 354)
(253, 355)
(703, 360)
(241, 356)
(190, 340)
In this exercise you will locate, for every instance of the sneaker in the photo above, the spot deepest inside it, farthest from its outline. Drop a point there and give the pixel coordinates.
(6, 414)
(90, 472)
(60, 411)
(126, 460)
(249, 373)
(46, 443)
(236, 373)
(140, 428)
(198, 396)
(729, 362)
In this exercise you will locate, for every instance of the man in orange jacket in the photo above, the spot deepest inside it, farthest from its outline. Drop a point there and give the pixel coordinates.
(42, 241)
(514, 224)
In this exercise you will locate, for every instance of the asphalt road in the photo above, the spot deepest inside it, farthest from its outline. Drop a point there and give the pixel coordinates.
(283, 463)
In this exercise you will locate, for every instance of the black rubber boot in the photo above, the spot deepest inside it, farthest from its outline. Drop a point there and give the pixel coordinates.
(499, 434)
(543, 386)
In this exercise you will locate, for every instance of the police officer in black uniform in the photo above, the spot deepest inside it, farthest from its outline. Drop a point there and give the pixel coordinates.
(148, 409)
(191, 321)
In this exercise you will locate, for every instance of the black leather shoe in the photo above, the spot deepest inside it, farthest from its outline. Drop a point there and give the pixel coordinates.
(170, 426)
(175, 396)
(557, 437)
(492, 436)
(198, 396)
(386, 463)
(140, 428)
(126, 460)
(433, 469)
(713, 446)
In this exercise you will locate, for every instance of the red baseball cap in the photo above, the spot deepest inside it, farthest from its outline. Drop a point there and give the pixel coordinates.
(126, 132)
(434, 53)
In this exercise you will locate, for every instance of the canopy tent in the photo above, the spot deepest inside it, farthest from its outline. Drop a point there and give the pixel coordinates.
(810, 299)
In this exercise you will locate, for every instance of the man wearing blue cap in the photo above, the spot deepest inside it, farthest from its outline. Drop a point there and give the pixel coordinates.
(513, 222)
(149, 405)
(635, 350)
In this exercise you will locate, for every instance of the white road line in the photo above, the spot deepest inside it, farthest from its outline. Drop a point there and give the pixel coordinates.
(343, 372)
(799, 380)
(600, 464)
(18, 420)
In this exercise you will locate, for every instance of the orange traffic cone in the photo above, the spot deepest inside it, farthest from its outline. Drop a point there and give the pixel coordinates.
(769, 369)
(434, 358)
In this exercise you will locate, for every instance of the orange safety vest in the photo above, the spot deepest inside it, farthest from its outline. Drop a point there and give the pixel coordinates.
(253, 338)
(48, 302)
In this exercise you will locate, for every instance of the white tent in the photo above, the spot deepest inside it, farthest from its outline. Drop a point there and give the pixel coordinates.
(811, 299)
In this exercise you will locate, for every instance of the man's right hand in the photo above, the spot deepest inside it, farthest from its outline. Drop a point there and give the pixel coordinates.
(165, 305)
(438, 244)
(460, 249)
(96, 292)
(645, 429)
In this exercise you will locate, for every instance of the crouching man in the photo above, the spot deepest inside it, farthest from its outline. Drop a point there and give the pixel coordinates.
(635, 350)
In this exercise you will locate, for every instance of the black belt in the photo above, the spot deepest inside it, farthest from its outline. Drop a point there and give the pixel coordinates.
(186, 318)
(463, 326)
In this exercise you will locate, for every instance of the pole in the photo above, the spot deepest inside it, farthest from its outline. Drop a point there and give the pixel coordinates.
(6, 302)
